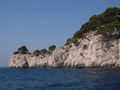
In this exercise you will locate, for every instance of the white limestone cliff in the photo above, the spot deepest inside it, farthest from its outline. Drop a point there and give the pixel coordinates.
(93, 51)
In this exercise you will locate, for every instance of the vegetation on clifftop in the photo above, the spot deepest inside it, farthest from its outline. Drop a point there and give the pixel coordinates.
(109, 18)
(22, 50)
(42, 52)
(104, 23)
(52, 48)
(108, 21)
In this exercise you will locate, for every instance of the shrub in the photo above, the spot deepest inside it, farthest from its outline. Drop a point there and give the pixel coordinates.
(52, 48)
(74, 40)
(22, 50)
(16, 52)
(36, 53)
(110, 15)
(68, 41)
(110, 27)
(101, 31)
(49, 52)
(43, 52)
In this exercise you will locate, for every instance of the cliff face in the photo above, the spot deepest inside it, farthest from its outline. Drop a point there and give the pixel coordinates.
(91, 51)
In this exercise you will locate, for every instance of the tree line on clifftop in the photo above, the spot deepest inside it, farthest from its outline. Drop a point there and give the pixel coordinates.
(42, 52)
(104, 23)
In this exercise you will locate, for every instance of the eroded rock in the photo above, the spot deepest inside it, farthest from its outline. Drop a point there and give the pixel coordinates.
(92, 51)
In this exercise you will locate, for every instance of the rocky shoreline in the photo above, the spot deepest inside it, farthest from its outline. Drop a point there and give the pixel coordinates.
(91, 51)
(96, 44)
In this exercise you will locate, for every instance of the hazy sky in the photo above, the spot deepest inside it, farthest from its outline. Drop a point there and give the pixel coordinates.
(40, 23)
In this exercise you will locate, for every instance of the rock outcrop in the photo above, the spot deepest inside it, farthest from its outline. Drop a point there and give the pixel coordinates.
(96, 44)
(91, 51)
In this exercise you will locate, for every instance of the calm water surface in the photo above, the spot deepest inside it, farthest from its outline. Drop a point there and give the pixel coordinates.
(60, 79)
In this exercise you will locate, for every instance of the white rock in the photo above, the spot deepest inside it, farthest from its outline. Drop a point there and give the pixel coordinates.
(91, 52)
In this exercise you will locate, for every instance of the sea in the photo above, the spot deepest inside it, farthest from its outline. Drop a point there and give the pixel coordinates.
(60, 79)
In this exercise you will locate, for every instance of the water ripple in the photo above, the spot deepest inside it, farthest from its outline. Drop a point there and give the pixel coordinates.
(60, 79)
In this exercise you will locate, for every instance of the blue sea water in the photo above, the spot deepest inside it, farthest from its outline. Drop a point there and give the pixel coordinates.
(60, 79)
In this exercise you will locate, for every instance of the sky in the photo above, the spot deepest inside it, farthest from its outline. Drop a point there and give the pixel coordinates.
(41, 23)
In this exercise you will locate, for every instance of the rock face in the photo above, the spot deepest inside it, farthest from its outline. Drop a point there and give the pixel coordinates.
(91, 51)
(18, 61)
